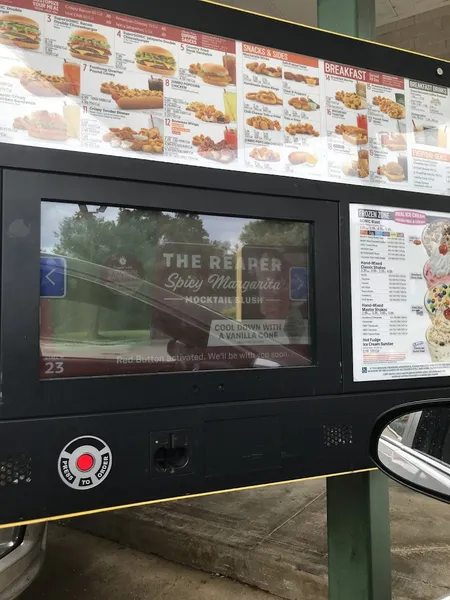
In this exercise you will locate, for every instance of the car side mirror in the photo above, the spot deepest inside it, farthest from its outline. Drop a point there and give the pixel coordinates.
(411, 444)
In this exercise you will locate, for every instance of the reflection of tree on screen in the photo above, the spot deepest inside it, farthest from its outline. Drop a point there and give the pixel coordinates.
(135, 233)
(142, 235)
(275, 233)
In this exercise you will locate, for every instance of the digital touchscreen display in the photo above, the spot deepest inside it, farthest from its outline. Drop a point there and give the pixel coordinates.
(132, 291)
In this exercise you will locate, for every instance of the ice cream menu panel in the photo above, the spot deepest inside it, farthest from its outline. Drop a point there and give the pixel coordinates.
(400, 268)
(78, 78)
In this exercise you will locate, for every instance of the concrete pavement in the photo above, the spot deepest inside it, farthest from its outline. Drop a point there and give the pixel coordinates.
(82, 567)
(275, 538)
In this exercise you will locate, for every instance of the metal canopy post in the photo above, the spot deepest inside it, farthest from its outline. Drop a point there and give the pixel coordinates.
(352, 17)
(359, 563)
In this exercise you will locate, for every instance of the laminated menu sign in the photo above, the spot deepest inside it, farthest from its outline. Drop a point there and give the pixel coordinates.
(347, 126)
(78, 78)
(281, 110)
(400, 270)
(366, 126)
(430, 114)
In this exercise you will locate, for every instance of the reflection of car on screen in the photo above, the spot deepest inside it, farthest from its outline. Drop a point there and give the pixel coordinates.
(111, 322)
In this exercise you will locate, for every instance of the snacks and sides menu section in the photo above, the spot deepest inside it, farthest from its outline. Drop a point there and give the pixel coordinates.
(78, 78)
(400, 274)
(281, 111)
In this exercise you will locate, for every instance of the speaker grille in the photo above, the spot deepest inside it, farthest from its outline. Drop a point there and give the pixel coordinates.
(338, 435)
(15, 470)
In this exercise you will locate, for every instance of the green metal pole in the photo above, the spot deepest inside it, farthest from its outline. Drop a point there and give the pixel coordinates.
(358, 537)
(352, 17)
(359, 562)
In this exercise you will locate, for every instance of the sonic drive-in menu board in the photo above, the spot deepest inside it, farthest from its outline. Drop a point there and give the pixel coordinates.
(77, 78)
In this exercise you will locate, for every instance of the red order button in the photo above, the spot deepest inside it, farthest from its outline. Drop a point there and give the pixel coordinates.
(85, 462)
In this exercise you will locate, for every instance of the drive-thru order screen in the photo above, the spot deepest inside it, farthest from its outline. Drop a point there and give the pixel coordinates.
(129, 291)
(400, 265)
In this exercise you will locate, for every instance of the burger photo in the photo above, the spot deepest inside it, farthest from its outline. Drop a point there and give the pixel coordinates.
(16, 30)
(47, 126)
(215, 74)
(155, 60)
(89, 45)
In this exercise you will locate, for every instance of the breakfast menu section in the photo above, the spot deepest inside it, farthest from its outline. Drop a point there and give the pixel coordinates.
(366, 126)
(400, 269)
(78, 78)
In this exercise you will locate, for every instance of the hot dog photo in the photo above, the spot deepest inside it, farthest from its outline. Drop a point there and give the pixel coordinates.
(47, 77)
(129, 98)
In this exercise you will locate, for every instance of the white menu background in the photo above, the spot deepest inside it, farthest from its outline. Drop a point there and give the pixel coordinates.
(315, 119)
(400, 279)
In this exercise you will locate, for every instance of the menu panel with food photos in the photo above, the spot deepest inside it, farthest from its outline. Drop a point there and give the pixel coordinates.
(78, 78)
(430, 115)
(281, 111)
(400, 267)
(387, 118)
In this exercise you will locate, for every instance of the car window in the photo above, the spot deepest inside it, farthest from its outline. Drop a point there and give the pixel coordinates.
(399, 425)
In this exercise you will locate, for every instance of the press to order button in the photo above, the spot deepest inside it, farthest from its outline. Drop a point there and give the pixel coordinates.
(85, 462)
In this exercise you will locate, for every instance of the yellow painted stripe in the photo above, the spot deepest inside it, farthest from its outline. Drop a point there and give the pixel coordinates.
(342, 35)
(204, 494)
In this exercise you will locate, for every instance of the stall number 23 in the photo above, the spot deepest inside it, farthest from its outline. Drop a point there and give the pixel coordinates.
(54, 367)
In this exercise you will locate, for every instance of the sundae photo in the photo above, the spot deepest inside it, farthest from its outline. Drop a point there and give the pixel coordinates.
(437, 268)
(438, 337)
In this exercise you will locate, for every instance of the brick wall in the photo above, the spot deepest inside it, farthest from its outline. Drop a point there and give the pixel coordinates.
(428, 33)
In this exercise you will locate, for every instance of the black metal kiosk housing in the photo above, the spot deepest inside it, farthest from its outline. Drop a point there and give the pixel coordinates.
(180, 432)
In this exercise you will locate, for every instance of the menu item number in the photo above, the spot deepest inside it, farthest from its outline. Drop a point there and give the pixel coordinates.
(85, 44)
(16, 30)
(155, 60)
